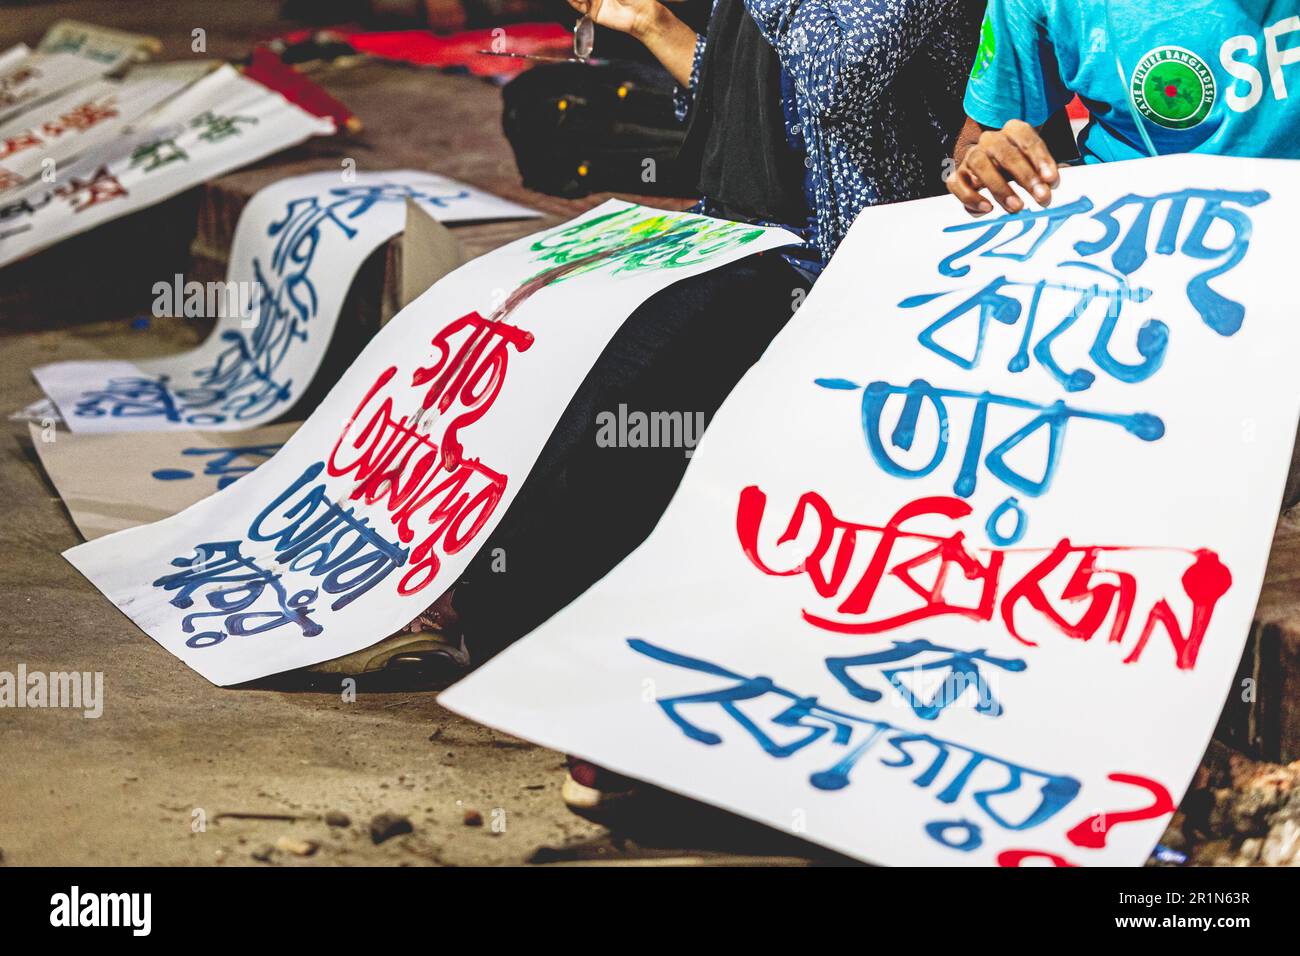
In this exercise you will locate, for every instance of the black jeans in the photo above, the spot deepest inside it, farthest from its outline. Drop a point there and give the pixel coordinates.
(584, 507)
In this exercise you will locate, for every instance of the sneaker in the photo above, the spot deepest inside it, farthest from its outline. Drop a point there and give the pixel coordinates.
(432, 643)
(423, 650)
(594, 793)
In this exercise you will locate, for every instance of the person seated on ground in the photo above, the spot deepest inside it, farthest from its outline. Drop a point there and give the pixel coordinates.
(801, 113)
(1207, 76)
(1204, 77)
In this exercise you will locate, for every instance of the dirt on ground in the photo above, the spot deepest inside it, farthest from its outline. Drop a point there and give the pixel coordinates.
(293, 771)
(176, 769)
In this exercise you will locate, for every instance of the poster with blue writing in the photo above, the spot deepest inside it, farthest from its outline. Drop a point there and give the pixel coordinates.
(112, 481)
(297, 246)
(378, 502)
(963, 568)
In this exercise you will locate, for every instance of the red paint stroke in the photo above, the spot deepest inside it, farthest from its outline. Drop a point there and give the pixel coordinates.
(1092, 832)
(1102, 592)
(472, 374)
(1017, 858)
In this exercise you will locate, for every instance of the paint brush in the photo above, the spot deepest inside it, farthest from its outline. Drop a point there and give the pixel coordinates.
(541, 57)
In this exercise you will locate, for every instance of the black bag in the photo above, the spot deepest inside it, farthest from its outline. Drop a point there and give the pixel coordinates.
(610, 127)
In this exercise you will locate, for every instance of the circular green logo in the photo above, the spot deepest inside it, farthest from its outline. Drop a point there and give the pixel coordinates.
(1173, 87)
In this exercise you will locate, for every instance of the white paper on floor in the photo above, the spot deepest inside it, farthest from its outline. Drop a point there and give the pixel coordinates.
(379, 501)
(118, 480)
(69, 55)
(298, 244)
(40, 412)
(962, 570)
(43, 139)
(220, 123)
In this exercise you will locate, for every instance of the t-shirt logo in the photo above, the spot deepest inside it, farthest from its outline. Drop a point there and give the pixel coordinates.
(988, 46)
(1173, 87)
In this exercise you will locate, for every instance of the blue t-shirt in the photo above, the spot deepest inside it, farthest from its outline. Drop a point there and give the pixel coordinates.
(1210, 76)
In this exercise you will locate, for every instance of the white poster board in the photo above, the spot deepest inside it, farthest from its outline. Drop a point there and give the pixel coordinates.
(70, 54)
(220, 123)
(962, 570)
(117, 480)
(39, 141)
(379, 501)
(298, 244)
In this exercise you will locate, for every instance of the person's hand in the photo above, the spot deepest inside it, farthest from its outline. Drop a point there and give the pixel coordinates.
(671, 41)
(1013, 154)
(626, 16)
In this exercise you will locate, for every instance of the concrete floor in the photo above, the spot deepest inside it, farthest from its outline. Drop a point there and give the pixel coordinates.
(125, 788)
(149, 781)
(153, 781)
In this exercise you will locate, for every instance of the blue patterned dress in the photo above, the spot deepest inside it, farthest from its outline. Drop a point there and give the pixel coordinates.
(872, 96)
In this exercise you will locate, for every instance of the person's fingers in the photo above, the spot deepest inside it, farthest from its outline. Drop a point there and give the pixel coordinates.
(1016, 166)
(1033, 146)
(966, 189)
(982, 165)
(582, 6)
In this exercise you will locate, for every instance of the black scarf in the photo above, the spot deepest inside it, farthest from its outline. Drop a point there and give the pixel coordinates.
(737, 128)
